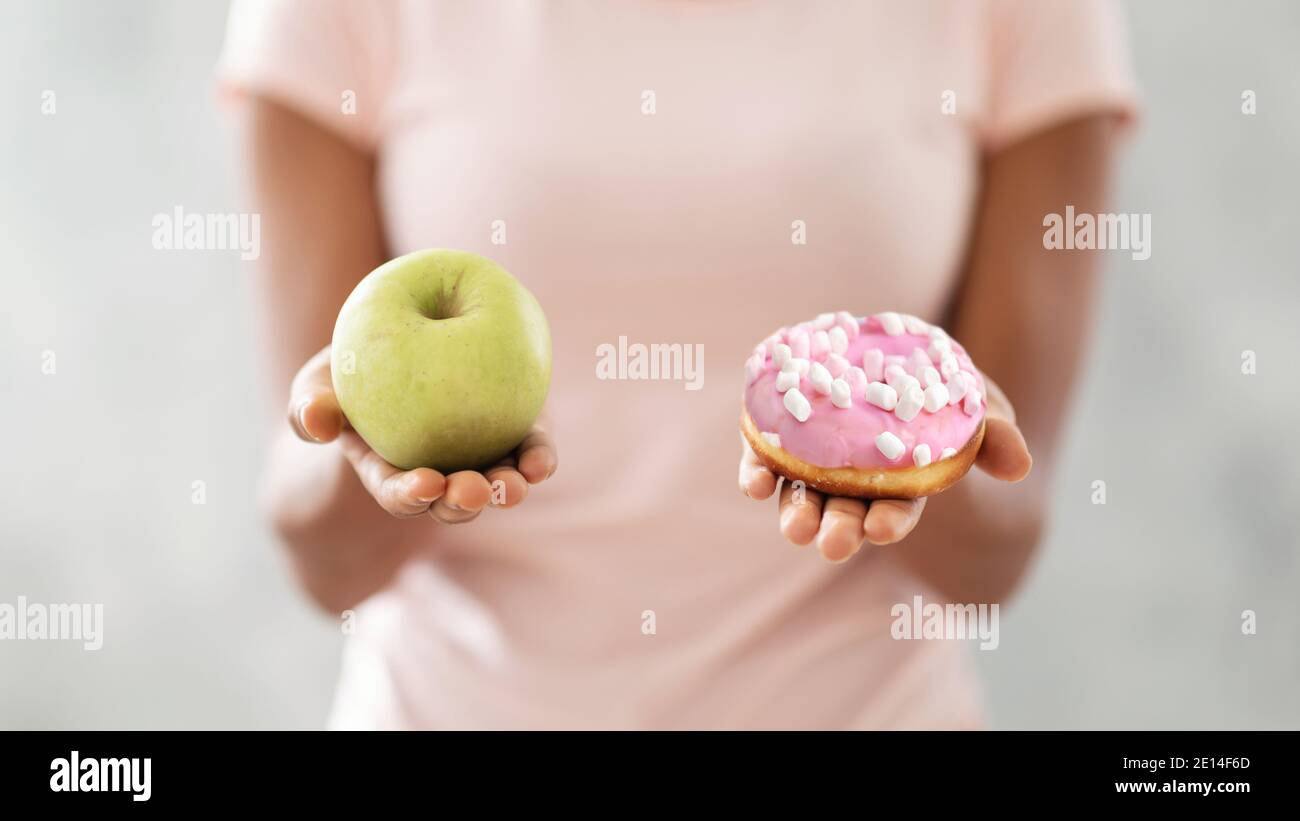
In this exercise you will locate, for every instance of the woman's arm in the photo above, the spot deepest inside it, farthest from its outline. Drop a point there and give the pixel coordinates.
(348, 519)
(1024, 312)
(321, 234)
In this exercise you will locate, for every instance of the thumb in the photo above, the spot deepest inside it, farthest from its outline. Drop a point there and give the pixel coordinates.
(316, 417)
(314, 411)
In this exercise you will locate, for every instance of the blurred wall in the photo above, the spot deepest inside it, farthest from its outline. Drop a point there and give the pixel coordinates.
(1131, 618)
(157, 386)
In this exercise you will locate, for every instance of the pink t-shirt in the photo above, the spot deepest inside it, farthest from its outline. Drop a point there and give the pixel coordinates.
(647, 169)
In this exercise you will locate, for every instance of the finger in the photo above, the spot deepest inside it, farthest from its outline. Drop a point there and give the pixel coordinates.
(756, 480)
(537, 457)
(468, 492)
(800, 519)
(452, 516)
(1004, 454)
(890, 520)
(402, 493)
(508, 486)
(841, 531)
(314, 412)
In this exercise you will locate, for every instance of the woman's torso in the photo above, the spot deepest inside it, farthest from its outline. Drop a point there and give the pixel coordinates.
(650, 167)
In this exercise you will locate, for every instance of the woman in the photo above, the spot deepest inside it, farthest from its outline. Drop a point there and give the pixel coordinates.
(670, 172)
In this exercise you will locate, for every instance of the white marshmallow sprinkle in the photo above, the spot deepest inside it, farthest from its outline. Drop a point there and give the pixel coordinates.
(781, 355)
(918, 361)
(849, 323)
(841, 394)
(800, 345)
(798, 405)
(948, 453)
(957, 387)
(873, 364)
(890, 445)
(900, 380)
(948, 366)
(910, 402)
(921, 455)
(882, 396)
(856, 378)
(839, 339)
(820, 345)
(772, 439)
(785, 380)
(915, 325)
(799, 366)
(936, 398)
(892, 323)
(836, 364)
(820, 378)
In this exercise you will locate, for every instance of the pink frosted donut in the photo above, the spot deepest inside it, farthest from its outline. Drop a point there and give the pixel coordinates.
(886, 406)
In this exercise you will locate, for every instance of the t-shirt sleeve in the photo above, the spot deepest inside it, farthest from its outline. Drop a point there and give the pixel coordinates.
(326, 59)
(1053, 60)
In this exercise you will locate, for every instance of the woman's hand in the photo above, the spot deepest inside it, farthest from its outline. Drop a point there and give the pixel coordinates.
(315, 416)
(840, 525)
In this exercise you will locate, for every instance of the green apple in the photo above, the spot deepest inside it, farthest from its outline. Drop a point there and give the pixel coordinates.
(441, 359)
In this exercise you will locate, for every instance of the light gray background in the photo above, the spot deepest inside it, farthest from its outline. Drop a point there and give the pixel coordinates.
(1131, 617)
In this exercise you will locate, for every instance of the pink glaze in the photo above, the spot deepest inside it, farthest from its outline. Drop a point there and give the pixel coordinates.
(846, 437)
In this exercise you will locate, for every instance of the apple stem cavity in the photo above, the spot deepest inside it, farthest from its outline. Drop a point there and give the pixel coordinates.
(446, 303)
